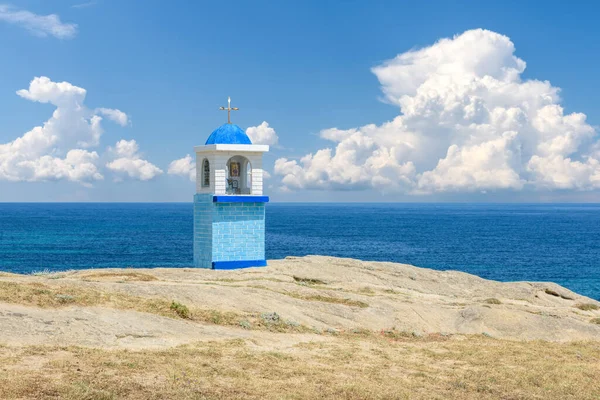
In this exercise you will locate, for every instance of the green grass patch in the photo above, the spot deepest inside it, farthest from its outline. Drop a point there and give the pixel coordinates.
(180, 310)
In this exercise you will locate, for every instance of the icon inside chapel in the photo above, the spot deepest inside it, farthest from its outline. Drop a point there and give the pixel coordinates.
(234, 169)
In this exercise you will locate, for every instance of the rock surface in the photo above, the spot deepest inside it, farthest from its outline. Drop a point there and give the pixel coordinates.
(320, 292)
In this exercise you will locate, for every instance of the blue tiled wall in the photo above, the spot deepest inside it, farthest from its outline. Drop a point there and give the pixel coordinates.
(203, 217)
(238, 231)
(227, 231)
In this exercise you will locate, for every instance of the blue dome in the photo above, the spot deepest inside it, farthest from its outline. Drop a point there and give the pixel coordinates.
(228, 134)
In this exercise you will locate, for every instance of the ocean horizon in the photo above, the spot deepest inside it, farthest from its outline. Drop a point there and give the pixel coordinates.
(556, 242)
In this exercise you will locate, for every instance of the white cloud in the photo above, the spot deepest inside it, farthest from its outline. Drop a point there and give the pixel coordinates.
(126, 148)
(558, 172)
(128, 163)
(78, 166)
(114, 115)
(467, 122)
(357, 163)
(43, 90)
(185, 166)
(262, 134)
(39, 25)
(488, 165)
(55, 150)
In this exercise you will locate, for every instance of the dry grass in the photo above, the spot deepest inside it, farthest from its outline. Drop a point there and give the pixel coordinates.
(595, 321)
(347, 367)
(587, 306)
(118, 277)
(45, 296)
(350, 364)
(309, 281)
(492, 301)
(315, 297)
(334, 300)
(366, 290)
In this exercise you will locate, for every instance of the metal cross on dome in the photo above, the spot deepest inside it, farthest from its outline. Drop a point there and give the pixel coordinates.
(229, 109)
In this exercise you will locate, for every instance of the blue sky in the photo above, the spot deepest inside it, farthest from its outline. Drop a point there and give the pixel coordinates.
(304, 67)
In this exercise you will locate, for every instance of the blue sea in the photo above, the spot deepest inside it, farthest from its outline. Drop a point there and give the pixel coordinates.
(506, 242)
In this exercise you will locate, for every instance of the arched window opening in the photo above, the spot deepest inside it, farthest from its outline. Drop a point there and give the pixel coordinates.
(205, 173)
(239, 178)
